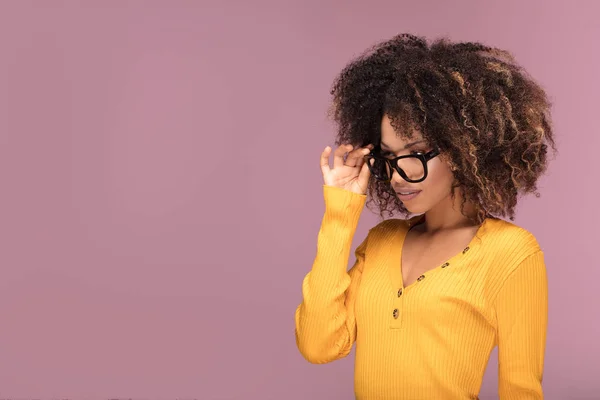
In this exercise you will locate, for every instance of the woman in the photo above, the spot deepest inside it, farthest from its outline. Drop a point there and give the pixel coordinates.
(449, 135)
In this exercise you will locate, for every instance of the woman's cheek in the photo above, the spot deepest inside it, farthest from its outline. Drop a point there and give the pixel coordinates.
(440, 177)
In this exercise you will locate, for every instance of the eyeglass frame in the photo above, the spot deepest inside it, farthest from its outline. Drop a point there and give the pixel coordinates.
(393, 164)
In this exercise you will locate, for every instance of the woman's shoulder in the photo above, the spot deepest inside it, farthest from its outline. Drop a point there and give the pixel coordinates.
(508, 242)
(386, 231)
(391, 230)
(506, 234)
(393, 226)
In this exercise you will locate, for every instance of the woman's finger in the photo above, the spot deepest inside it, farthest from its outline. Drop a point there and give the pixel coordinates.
(357, 157)
(338, 155)
(363, 177)
(325, 160)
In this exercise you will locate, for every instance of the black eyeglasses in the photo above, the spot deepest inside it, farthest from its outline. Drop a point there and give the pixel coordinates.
(412, 167)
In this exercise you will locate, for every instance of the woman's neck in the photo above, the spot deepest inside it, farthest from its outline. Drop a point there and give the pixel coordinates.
(447, 215)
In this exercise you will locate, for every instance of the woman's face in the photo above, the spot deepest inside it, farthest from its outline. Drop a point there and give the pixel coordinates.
(421, 197)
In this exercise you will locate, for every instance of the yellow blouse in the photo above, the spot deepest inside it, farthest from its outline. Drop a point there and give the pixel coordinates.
(432, 339)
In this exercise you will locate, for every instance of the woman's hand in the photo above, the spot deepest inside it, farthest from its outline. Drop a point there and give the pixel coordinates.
(349, 172)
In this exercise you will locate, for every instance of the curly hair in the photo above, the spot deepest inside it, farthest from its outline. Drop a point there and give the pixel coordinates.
(487, 116)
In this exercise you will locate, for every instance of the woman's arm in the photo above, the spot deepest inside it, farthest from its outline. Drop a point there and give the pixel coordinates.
(522, 312)
(325, 322)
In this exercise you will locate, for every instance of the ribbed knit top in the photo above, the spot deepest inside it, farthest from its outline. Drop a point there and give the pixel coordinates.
(433, 338)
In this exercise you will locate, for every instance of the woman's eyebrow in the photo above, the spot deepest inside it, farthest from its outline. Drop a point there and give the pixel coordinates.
(408, 146)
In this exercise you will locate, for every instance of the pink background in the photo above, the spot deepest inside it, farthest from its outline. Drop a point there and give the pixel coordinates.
(161, 193)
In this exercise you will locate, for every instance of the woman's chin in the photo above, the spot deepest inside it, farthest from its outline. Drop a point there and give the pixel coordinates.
(415, 211)
(414, 207)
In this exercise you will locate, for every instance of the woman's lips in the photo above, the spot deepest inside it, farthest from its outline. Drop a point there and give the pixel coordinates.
(406, 195)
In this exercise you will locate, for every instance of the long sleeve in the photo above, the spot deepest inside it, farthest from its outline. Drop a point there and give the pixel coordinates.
(522, 315)
(325, 321)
